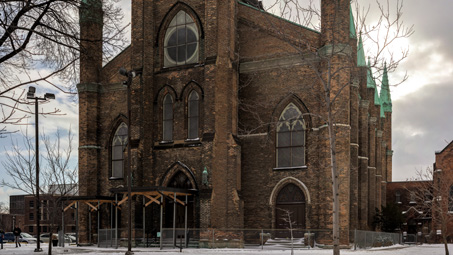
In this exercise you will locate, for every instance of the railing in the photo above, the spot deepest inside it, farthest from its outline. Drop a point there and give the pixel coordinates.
(369, 239)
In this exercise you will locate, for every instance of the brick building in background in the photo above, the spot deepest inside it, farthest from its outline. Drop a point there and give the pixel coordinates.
(22, 208)
(226, 104)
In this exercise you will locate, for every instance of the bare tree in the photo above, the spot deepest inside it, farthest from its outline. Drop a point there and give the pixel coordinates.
(58, 175)
(332, 67)
(288, 220)
(434, 199)
(40, 41)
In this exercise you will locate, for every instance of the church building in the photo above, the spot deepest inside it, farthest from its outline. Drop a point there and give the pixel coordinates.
(228, 102)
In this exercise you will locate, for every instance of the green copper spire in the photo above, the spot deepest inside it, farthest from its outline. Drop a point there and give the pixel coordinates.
(382, 110)
(377, 100)
(352, 32)
(360, 53)
(385, 91)
(370, 83)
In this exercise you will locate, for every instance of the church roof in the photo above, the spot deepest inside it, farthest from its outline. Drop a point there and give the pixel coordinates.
(360, 53)
(370, 83)
(385, 92)
(352, 32)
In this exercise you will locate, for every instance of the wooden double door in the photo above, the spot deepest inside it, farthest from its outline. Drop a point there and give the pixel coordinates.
(290, 206)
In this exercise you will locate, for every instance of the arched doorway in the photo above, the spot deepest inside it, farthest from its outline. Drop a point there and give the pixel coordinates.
(290, 199)
(182, 181)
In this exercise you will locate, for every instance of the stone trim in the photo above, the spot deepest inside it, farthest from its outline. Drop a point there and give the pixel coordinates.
(373, 120)
(252, 135)
(285, 181)
(289, 168)
(364, 103)
(273, 63)
(337, 49)
(361, 157)
(336, 125)
(354, 145)
(378, 175)
(97, 147)
(89, 87)
(379, 133)
(371, 167)
(355, 82)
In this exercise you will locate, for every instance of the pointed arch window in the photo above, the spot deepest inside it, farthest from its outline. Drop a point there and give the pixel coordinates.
(193, 114)
(181, 41)
(290, 143)
(119, 144)
(167, 119)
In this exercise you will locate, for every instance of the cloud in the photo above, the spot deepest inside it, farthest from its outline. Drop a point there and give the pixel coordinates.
(421, 126)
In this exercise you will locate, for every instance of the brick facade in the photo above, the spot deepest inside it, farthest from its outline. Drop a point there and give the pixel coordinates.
(248, 72)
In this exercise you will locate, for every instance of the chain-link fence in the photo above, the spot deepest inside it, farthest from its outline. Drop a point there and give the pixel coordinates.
(245, 238)
(368, 239)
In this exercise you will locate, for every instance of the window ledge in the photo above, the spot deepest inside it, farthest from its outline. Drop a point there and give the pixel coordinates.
(191, 140)
(115, 178)
(165, 142)
(289, 168)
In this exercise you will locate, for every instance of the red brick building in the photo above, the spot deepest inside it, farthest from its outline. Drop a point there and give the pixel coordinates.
(414, 204)
(228, 102)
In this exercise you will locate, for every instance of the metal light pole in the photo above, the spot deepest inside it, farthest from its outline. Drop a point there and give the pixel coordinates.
(31, 95)
(130, 75)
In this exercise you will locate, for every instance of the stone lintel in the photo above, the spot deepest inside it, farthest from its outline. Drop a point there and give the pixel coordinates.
(379, 133)
(354, 145)
(373, 120)
(372, 167)
(363, 158)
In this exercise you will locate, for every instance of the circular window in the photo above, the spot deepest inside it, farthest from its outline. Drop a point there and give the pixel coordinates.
(181, 41)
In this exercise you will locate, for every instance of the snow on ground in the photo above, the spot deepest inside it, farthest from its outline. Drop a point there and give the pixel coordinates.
(27, 249)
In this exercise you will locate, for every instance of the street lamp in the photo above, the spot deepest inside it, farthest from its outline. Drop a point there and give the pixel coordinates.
(47, 96)
(130, 75)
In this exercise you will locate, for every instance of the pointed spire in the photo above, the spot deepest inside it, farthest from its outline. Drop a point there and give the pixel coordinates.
(385, 91)
(352, 32)
(360, 53)
(370, 83)
(377, 100)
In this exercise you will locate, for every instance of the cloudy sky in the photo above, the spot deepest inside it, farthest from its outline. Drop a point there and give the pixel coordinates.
(422, 123)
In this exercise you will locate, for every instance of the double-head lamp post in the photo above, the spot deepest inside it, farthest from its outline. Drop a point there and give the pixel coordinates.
(47, 96)
(130, 75)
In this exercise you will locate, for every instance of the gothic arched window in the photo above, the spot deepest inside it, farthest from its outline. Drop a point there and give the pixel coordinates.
(193, 115)
(119, 143)
(167, 118)
(181, 41)
(290, 147)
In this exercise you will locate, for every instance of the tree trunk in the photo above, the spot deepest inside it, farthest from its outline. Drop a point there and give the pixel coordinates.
(336, 202)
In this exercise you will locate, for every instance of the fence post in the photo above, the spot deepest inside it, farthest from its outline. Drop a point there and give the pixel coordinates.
(262, 239)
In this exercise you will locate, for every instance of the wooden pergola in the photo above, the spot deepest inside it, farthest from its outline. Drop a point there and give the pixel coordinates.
(150, 194)
(94, 203)
(157, 194)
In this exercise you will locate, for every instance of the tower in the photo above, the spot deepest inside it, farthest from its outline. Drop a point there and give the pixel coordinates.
(90, 13)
